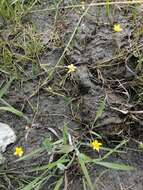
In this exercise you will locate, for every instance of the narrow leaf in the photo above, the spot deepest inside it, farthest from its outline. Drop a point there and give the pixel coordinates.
(58, 184)
(85, 172)
(115, 166)
(99, 111)
(6, 87)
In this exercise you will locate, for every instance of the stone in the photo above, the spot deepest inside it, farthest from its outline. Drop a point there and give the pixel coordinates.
(7, 136)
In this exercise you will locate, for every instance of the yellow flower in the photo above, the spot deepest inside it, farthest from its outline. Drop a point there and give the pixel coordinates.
(71, 68)
(117, 28)
(18, 151)
(96, 145)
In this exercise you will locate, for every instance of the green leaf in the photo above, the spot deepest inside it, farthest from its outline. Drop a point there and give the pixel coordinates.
(114, 149)
(85, 158)
(31, 184)
(47, 144)
(108, 8)
(36, 183)
(115, 166)
(50, 165)
(85, 171)
(96, 134)
(58, 184)
(99, 111)
(30, 155)
(6, 87)
(11, 109)
(61, 166)
(14, 1)
(66, 149)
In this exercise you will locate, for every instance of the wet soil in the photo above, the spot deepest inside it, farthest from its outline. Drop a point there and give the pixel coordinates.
(107, 70)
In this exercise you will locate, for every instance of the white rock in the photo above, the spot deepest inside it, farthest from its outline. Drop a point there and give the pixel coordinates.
(7, 136)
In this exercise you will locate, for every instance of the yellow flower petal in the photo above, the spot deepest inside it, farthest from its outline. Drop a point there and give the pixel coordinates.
(117, 28)
(96, 145)
(18, 151)
(71, 68)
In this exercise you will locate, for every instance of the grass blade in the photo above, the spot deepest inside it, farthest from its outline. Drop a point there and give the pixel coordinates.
(99, 111)
(85, 172)
(11, 109)
(115, 166)
(50, 165)
(58, 184)
(6, 87)
(30, 155)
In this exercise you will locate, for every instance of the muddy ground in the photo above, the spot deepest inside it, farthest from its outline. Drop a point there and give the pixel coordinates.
(107, 70)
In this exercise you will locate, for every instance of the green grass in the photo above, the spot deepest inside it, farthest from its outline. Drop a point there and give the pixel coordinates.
(68, 156)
